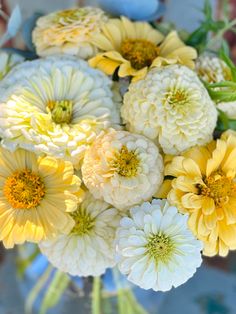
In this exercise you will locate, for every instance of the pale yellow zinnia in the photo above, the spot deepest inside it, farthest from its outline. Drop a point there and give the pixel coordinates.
(36, 196)
(204, 186)
(68, 32)
(136, 46)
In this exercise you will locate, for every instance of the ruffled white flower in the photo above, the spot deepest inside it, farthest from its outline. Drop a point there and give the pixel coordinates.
(172, 106)
(69, 32)
(156, 250)
(89, 249)
(55, 106)
(212, 69)
(8, 61)
(122, 168)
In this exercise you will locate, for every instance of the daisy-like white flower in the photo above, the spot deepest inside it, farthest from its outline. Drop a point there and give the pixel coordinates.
(55, 106)
(69, 32)
(204, 187)
(89, 248)
(134, 47)
(8, 61)
(156, 250)
(122, 168)
(212, 69)
(171, 106)
(37, 194)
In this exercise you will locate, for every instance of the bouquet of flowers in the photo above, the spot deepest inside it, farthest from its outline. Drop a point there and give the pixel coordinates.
(116, 148)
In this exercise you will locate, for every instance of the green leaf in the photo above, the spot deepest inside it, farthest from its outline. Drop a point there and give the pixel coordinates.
(222, 92)
(224, 55)
(54, 292)
(207, 10)
(224, 123)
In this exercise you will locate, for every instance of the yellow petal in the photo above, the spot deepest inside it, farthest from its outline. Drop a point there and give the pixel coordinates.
(164, 189)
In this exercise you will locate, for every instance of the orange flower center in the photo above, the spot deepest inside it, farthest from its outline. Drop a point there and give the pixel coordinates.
(139, 52)
(24, 189)
(219, 187)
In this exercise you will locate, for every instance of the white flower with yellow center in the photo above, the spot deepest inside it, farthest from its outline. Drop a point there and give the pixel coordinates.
(8, 61)
(156, 250)
(69, 32)
(171, 106)
(37, 194)
(212, 69)
(89, 248)
(122, 168)
(55, 106)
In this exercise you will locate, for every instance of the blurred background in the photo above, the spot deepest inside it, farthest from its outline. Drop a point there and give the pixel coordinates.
(213, 288)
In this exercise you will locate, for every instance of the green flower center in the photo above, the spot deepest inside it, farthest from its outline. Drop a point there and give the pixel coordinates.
(125, 162)
(84, 223)
(160, 247)
(61, 110)
(139, 52)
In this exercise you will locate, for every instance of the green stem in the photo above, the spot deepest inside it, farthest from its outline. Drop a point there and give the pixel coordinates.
(96, 296)
(36, 289)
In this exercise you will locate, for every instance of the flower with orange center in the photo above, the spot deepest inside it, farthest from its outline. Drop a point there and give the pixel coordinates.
(204, 186)
(133, 47)
(36, 196)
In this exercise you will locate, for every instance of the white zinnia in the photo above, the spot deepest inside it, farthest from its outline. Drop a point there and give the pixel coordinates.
(122, 168)
(89, 249)
(172, 106)
(56, 106)
(155, 248)
(212, 69)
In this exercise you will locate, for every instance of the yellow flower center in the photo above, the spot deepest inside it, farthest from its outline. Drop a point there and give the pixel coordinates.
(61, 110)
(177, 97)
(219, 187)
(160, 247)
(125, 162)
(139, 52)
(24, 189)
(83, 222)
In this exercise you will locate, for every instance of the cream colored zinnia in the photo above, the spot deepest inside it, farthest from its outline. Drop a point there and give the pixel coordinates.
(69, 32)
(55, 106)
(170, 106)
(204, 187)
(156, 249)
(122, 168)
(134, 47)
(37, 194)
(89, 248)
(212, 69)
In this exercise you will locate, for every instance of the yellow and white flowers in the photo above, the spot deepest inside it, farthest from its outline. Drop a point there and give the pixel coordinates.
(156, 250)
(171, 106)
(118, 109)
(122, 168)
(89, 248)
(133, 47)
(37, 195)
(69, 32)
(204, 187)
(55, 106)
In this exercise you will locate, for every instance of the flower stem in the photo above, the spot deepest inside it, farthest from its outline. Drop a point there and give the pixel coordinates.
(96, 296)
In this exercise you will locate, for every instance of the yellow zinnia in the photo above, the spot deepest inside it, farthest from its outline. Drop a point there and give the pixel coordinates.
(36, 196)
(205, 187)
(136, 46)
